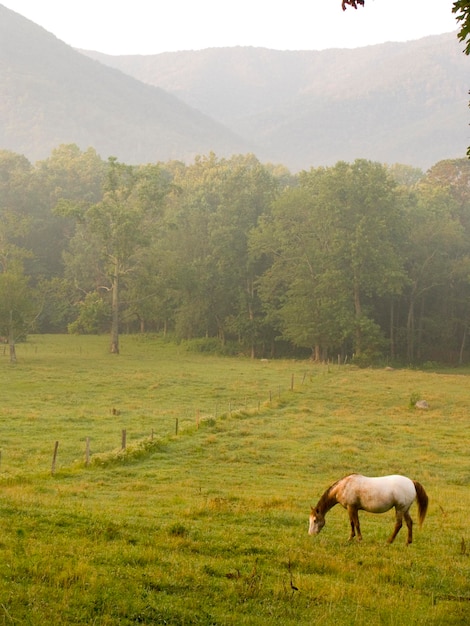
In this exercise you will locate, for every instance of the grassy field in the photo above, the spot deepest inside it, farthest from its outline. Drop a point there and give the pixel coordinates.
(208, 525)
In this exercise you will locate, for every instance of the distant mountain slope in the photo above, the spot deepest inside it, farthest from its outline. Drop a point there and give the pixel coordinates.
(394, 102)
(52, 94)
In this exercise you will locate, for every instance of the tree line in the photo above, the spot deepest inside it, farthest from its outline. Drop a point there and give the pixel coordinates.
(357, 261)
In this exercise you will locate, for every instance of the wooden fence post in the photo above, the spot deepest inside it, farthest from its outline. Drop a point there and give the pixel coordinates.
(54, 458)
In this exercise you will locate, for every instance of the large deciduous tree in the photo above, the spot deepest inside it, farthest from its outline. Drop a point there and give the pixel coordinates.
(434, 241)
(16, 297)
(334, 248)
(219, 202)
(68, 174)
(16, 308)
(297, 239)
(437, 263)
(111, 234)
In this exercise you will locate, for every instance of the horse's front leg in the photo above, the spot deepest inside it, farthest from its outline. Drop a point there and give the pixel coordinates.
(398, 525)
(354, 519)
(353, 530)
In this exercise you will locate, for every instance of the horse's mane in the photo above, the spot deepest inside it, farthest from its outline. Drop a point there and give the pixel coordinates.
(328, 500)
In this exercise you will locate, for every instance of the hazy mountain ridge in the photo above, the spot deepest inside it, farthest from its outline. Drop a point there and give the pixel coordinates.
(391, 102)
(404, 102)
(273, 78)
(52, 94)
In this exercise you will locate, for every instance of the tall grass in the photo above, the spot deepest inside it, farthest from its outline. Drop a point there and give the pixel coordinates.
(209, 526)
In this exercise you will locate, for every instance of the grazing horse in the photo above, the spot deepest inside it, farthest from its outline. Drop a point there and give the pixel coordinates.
(376, 495)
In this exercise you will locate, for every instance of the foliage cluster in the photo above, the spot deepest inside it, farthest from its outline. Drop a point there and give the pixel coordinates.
(357, 260)
(210, 526)
(461, 8)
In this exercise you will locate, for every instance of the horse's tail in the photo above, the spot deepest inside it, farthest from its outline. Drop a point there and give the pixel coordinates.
(422, 500)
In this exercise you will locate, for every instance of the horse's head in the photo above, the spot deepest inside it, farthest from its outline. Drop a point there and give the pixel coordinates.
(317, 521)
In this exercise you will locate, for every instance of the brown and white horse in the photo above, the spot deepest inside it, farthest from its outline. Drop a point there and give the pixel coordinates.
(375, 495)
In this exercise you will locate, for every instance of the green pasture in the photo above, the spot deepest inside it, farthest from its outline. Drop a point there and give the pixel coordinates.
(202, 519)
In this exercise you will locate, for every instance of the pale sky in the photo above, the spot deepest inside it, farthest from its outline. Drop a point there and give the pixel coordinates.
(154, 26)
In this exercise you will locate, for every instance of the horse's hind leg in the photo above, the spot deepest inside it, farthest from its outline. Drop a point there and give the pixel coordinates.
(398, 525)
(409, 523)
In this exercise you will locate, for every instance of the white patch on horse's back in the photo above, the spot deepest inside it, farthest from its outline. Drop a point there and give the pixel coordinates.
(402, 485)
(376, 494)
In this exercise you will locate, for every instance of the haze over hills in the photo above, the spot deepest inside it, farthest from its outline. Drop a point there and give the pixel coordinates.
(52, 94)
(393, 102)
(402, 102)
